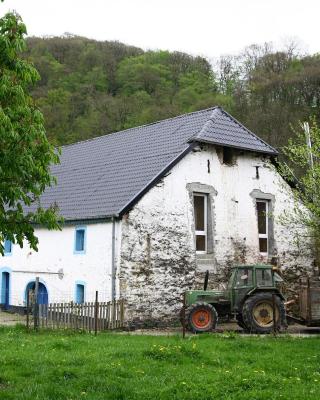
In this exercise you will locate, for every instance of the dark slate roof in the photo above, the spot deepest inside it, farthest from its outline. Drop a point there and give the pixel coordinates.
(104, 176)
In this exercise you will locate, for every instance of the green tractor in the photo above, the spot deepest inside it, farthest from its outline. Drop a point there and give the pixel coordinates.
(252, 294)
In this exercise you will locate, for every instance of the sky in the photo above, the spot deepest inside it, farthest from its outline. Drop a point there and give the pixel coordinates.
(209, 28)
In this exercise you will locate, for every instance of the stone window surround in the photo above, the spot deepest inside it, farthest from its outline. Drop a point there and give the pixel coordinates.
(210, 191)
(257, 194)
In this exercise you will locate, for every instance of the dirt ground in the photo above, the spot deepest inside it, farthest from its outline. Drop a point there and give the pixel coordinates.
(8, 318)
(11, 319)
(295, 329)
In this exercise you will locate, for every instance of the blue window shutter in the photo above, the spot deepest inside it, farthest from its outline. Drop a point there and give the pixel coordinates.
(7, 246)
(80, 294)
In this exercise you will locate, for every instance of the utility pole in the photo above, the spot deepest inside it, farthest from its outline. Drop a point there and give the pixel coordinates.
(306, 129)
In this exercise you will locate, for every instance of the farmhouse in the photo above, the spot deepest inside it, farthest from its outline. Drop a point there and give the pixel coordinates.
(148, 210)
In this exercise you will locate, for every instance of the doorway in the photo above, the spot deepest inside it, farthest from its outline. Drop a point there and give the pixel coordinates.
(42, 292)
(5, 290)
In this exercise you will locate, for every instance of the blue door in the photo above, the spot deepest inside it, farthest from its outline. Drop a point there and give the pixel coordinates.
(42, 292)
(5, 288)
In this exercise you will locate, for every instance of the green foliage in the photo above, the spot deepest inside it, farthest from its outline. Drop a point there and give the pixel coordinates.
(56, 365)
(89, 88)
(307, 186)
(25, 153)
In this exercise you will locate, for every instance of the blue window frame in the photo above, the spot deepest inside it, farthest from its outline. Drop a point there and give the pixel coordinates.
(80, 240)
(7, 247)
(79, 293)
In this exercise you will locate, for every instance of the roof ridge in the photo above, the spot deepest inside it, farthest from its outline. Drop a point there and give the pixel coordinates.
(140, 126)
(210, 120)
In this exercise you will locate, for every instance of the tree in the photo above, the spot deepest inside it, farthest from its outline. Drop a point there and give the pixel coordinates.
(304, 156)
(25, 153)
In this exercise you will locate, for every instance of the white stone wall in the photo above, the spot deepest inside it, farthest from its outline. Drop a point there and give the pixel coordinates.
(158, 259)
(56, 252)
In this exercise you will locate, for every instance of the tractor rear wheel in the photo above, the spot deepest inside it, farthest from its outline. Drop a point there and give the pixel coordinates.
(257, 313)
(201, 317)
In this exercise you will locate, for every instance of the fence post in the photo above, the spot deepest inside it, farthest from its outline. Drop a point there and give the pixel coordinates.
(36, 305)
(28, 306)
(274, 314)
(184, 316)
(96, 305)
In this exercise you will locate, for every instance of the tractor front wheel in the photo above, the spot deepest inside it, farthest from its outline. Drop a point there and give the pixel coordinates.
(201, 317)
(257, 313)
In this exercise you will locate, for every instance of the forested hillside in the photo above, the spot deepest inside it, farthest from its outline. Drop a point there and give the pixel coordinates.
(89, 88)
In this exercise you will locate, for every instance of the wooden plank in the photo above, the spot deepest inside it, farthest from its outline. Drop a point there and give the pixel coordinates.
(118, 314)
(109, 314)
(114, 310)
(46, 320)
(64, 316)
(53, 315)
(89, 316)
(85, 316)
(36, 305)
(96, 308)
(122, 314)
(105, 315)
(40, 313)
(92, 316)
(48, 315)
(58, 315)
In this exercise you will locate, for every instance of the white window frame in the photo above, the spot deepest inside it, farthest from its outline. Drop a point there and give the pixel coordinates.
(263, 235)
(204, 232)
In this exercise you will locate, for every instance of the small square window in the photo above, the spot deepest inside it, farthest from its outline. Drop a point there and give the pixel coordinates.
(80, 240)
(7, 247)
(228, 155)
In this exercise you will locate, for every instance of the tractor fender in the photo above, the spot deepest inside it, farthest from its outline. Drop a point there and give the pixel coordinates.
(260, 289)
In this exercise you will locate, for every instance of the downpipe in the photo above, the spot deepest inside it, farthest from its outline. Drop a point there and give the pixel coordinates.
(113, 261)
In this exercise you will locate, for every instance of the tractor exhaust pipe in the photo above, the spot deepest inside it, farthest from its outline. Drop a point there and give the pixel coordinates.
(206, 279)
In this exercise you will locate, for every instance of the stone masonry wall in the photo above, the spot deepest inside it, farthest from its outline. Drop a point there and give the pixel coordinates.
(157, 255)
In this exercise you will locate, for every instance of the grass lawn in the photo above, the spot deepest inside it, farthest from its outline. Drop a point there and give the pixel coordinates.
(62, 365)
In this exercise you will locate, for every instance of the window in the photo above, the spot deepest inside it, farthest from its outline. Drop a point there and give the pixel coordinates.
(200, 215)
(7, 247)
(80, 240)
(228, 155)
(244, 278)
(262, 212)
(79, 293)
(264, 277)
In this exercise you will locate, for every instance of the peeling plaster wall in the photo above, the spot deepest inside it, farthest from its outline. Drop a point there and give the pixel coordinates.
(157, 256)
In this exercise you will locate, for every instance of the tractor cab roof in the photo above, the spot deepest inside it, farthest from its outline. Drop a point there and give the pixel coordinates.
(262, 266)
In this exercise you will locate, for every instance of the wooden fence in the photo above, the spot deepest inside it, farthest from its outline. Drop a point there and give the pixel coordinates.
(90, 316)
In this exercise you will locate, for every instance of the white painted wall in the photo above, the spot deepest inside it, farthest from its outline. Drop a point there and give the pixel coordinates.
(56, 251)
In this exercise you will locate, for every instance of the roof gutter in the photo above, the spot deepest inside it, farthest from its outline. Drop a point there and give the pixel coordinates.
(156, 179)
